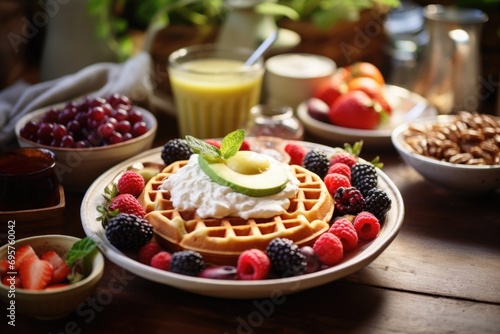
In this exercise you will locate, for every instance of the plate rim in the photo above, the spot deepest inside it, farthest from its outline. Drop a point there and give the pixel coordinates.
(240, 289)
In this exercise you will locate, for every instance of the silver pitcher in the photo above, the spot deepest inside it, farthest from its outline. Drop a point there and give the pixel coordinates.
(450, 68)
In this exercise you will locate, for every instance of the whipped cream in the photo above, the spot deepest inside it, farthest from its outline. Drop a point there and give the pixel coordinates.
(191, 189)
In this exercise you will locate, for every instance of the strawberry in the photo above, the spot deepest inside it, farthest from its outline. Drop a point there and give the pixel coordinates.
(296, 151)
(330, 90)
(61, 269)
(355, 110)
(9, 279)
(35, 273)
(130, 183)
(373, 89)
(23, 253)
(127, 203)
(213, 142)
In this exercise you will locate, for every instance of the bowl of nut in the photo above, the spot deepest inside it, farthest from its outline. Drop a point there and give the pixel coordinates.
(458, 152)
(88, 136)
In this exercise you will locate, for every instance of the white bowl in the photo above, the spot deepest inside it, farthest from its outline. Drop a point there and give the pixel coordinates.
(406, 106)
(77, 168)
(53, 303)
(459, 178)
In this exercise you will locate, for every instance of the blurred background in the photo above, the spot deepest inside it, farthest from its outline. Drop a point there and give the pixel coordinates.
(123, 28)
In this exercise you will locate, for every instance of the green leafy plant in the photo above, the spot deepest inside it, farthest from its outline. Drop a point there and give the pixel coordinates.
(230, 145)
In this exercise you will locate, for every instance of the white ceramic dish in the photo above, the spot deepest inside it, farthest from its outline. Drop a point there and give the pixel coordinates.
(356, 260)
(464, 179)
(406, 106)
(78, 168)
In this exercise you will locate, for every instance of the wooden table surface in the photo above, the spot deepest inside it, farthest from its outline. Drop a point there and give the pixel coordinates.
(440, 275)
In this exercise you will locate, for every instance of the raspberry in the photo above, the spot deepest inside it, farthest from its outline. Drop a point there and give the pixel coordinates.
(148, 251)
(377, 202)
(364, 177)
(286, 258)
(345, 231)
(328, 249)
(161, 260)
(340, 168)
(175, 150)
(334, 181)
(296, 151)
(187, 262)
(128, 232)
(245, 146)
(253, 264)
(343, 157)
(367, 226)
(348, 201)
(317, 162)
(130, 183)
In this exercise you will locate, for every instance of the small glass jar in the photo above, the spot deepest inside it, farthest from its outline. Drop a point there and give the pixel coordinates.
(274, 120)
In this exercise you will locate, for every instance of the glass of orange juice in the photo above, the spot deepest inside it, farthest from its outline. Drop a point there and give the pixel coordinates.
(213, 90)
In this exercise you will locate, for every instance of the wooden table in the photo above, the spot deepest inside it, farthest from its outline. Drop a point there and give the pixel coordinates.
(440, 275)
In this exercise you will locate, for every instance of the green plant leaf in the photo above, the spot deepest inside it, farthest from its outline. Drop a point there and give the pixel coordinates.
(231, 143)
(80, 250)
(201, 147)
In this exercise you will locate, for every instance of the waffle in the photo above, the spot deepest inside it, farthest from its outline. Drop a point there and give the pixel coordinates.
(220, 241)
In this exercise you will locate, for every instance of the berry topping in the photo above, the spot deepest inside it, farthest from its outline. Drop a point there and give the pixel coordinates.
(219, 272)
(340, 168)
(187, 262)
(334, 181)
(345, 231)
(328, 249)
(23, 253)
(296, 151)
(127, 203)
(286, 258)
(377, 202)
(313, 263)
(253, 264)
(175, 150)
(367, 226)
(130, 183)
(128, 232)
(317, 162)
(348, 201)
(161, 260)
(364, 177)
(147, 252)
(349, 156)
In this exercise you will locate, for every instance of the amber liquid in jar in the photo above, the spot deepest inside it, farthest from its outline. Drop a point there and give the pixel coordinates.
(28, 180)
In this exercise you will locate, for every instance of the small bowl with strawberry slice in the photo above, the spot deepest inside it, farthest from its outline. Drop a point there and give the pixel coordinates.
(48, 276)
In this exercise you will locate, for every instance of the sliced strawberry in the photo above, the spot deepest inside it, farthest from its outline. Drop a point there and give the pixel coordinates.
(4, 267)
(35, 274)
(7, 280)
(61, 269)
(23, 253)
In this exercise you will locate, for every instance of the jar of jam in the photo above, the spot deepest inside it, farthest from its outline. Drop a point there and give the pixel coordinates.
(274, 120)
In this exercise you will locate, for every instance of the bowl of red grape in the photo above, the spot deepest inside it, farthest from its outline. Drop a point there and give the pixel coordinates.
(88, 136)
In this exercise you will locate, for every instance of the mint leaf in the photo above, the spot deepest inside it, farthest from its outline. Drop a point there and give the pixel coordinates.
(201, 147)
(231, 143)
(79, 250)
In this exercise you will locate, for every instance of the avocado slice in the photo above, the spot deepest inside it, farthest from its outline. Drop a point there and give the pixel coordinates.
(247, 172)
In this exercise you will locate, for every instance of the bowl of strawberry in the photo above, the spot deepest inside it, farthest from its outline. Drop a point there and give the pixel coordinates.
(48, 276)
(88, 136)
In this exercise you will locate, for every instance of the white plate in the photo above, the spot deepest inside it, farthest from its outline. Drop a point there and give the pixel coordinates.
(406, 106)
(353, 262)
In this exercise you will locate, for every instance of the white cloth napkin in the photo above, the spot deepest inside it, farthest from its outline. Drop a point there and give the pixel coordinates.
(131, 78)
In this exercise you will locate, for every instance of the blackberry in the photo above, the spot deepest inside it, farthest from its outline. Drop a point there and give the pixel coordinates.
(364, 177)
(128, 232)
(348, 201)
(175, 150)
(317, 162)
(286, 258)
(377, 202)
(187, 262)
